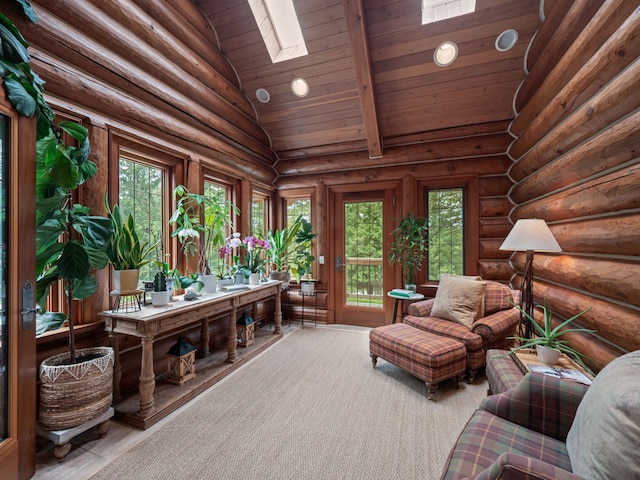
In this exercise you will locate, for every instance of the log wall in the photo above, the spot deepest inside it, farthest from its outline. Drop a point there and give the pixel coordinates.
(576, 164)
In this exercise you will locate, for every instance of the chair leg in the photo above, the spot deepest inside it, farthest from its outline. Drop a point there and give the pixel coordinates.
(374, 359)
(431, 390)
(472, 375)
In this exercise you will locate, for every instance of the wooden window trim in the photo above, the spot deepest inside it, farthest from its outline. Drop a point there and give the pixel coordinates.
(469, 183)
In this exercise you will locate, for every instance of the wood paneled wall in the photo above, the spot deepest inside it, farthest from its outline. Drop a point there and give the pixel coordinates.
(476, 150)
(576, 164)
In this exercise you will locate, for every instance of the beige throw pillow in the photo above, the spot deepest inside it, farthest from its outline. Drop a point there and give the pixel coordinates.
(458, 299)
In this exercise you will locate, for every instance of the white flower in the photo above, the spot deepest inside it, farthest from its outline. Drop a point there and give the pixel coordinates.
(188, 233)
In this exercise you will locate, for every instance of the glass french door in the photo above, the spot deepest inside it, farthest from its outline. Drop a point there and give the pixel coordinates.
(18, 369)
(362, 272)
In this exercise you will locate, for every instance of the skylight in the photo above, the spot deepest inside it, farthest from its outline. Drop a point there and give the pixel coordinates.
(436, 10)
(280, 29)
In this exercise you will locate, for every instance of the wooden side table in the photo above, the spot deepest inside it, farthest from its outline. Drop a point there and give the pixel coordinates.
(398, 298)
(505, 371)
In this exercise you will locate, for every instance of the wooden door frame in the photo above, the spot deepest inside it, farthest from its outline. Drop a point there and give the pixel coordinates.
(18, 451)
(394, 192)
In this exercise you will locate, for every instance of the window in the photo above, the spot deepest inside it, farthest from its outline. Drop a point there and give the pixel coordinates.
(142, 188)
(297, 207)
(259, 209)
(445, 211)
(436, 10)
(220, 194)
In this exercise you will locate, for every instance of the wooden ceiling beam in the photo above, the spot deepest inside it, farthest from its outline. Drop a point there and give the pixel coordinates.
(354, 15)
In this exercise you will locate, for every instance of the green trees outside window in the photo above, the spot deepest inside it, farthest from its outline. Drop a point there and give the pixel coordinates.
(446, 232)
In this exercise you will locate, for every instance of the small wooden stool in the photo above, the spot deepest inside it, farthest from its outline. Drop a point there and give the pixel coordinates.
(429, 357)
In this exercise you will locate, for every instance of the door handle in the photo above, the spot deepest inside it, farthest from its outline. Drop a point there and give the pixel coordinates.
(339, 263)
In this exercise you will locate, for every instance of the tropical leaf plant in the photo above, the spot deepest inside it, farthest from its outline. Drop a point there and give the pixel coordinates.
(70, 242)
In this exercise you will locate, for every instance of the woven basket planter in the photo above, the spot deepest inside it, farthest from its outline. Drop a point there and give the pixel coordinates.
(71, 395)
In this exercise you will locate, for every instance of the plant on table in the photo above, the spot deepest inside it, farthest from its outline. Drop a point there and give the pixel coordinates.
(550, 336)
(410, 246)
(201, 224)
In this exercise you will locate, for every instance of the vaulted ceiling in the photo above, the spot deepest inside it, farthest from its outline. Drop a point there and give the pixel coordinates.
(373, 81)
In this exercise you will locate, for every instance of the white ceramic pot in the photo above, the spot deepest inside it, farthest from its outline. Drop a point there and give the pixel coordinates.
(254, 278)
(209, 282)
(160, 299)
(307, 288)
(550, 356)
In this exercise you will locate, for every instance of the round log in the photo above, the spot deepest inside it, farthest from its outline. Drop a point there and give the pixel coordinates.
(609, 149)
(568, 26)
(615, 279)
(622, 48)
(614, 192)
(615, 235)
(547, 84)
(616, 100)
(172, 21)
(142, 58)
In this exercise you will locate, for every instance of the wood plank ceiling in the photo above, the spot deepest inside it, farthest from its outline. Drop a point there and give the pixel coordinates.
(411, 97)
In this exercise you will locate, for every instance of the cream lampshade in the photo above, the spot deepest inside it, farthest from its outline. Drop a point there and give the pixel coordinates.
(529, 235)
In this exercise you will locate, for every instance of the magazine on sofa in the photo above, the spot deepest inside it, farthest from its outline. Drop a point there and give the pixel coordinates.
(565, 373)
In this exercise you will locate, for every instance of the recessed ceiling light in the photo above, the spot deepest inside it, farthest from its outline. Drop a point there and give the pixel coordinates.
(506, 40)
(300, 87)
(445, 54)
(263, 95)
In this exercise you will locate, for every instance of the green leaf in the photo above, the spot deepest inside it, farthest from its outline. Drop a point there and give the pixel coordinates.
(49, 321)
(96, 231)
(28, 10)
(23, 102)
(14, 46)
(65, 172)
(75, 130)
(84, 287)
(74, 262)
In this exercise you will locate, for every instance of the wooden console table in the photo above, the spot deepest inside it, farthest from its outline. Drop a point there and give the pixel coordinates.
(151, 321)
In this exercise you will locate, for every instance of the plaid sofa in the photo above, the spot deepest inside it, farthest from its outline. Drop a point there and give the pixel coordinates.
(500, 320)
(519, 434)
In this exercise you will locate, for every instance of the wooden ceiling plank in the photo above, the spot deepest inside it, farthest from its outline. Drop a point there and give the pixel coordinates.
(354, 15)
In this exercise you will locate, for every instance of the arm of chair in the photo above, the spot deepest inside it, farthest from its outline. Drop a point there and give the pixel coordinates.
(421, 309)
(497, 326)
(539, 402)
(513, 466)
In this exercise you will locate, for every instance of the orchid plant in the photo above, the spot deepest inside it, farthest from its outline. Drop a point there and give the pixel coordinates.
(256, 251)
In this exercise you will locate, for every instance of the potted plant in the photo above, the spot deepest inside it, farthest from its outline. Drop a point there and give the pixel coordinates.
(160, 295)
(76, 385)
(300, 259)
(201, 227)
(409, 247)
(281, 242)
(548, 342)
(125, 251)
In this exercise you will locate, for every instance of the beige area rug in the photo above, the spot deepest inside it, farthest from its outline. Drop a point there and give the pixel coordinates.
(310, 407)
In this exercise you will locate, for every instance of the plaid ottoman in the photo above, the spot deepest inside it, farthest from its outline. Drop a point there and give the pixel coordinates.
(429, 357)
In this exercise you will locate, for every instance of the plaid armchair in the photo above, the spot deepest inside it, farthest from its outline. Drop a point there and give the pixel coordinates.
(500, 320)
(547, 428)
(519, 434)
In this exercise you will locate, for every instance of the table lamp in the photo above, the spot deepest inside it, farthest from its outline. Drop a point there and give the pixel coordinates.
(529, 235)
